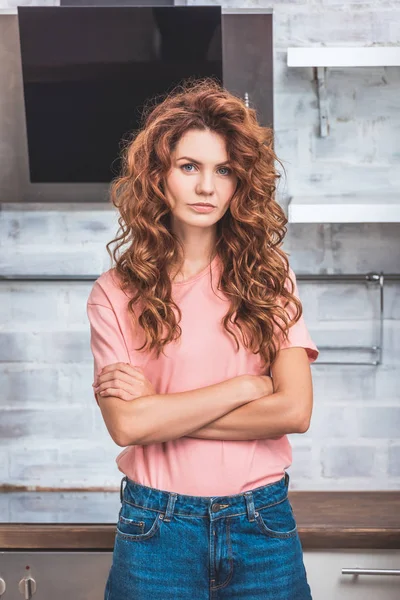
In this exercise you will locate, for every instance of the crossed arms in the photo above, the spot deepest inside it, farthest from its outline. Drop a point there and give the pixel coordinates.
(231, 410)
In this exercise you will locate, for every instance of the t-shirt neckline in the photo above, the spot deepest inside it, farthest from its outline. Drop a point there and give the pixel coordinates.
(199, 274)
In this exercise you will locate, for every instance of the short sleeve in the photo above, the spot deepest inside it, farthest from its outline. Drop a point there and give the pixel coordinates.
(298, 335)
(106, 338)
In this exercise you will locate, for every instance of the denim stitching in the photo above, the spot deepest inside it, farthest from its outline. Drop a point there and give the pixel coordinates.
(145, 507)
(190, 515)
(144, 536)
(274, 534)
(270, 532)
(227, 580)
(131, 521)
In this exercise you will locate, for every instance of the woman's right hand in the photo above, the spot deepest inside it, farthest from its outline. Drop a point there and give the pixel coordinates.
(124, 381)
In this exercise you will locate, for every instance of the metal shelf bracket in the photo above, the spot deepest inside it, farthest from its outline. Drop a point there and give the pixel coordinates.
(320, 75)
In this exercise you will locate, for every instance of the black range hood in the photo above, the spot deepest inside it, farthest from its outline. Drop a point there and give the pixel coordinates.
(88, 71)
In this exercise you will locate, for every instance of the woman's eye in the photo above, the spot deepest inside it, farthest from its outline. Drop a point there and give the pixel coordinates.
(226, 169)
(187, 165)
(192, 165)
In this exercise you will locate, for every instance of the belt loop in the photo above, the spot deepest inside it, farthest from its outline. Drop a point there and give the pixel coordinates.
(121, 493)
(170, 506)
(248, 496)
(287, 478)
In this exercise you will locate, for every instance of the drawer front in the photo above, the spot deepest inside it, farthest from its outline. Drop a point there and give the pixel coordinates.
(61, 575)
(83, 575)
(327, 582)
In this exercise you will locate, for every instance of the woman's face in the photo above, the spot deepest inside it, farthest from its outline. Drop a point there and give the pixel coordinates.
(199, 172)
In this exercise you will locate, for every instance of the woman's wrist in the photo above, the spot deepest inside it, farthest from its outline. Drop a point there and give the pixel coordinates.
(259, 385)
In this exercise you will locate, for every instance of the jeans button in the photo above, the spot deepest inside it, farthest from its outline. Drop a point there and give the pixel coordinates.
(215, 507)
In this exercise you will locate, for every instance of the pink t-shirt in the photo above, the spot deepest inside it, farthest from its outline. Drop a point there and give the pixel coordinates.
(204, 355)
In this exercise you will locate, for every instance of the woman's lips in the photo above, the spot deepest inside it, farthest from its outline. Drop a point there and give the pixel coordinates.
(202, 209)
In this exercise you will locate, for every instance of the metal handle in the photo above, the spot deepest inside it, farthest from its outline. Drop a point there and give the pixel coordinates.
(357, 571)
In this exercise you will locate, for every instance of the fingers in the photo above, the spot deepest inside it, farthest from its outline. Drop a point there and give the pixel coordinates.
(126, 367)
(122, 370)
(117, 376)
(130, 390)
(121, 380)
(117, 393)
(133, 387)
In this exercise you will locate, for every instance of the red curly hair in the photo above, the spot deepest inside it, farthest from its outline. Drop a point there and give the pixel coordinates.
(255, 270)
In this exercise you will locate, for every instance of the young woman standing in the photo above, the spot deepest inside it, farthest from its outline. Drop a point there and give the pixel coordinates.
(202, 359)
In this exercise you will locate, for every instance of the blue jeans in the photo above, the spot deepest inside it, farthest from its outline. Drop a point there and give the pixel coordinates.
(171, 546)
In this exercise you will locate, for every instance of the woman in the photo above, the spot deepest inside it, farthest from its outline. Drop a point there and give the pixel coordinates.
(201, 359)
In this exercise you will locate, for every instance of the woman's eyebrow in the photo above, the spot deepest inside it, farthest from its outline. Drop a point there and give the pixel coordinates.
(199, 163)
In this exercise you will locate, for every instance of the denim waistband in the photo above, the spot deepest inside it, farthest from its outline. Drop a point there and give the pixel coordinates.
(212, 507)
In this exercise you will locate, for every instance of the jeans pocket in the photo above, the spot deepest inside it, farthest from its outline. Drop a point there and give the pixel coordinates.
(137, 523)
(277, 521)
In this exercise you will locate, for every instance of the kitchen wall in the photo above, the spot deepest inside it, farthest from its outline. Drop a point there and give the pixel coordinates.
(51, 430)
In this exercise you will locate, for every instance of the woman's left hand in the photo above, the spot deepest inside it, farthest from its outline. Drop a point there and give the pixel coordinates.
(123, 380)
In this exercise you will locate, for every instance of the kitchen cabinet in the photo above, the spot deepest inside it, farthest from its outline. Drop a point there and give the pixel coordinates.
(61, 575)
(327, 582)
(247, 37)
(83, 575)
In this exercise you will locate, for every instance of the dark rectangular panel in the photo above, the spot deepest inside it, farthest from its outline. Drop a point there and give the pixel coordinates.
(248, 60)
(88, 71)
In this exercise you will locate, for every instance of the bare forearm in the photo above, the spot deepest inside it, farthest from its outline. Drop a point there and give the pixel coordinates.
(163, 417)
(285, 407)
(270, 416)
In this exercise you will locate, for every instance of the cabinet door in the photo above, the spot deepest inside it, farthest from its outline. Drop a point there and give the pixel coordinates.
(324, 572)
(248, 58)
(61, 575)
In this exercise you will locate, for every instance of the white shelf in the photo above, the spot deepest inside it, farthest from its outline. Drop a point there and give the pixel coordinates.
(371, 56)
(320, 58)
(384, 208)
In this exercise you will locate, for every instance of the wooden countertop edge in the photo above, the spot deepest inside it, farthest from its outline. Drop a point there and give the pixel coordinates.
(357, 520)
(95, 537)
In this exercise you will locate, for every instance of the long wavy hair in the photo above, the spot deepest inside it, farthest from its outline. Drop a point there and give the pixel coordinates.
(255, 269)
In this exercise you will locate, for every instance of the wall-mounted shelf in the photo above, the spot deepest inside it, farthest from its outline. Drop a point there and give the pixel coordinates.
(322, 58)
(346, 208)
(371, 56)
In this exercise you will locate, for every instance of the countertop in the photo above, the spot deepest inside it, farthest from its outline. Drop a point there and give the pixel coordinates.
(86, 520)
